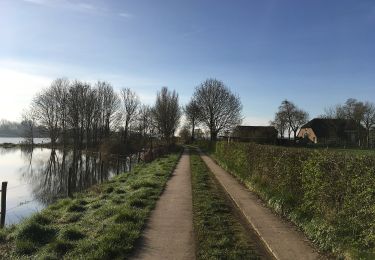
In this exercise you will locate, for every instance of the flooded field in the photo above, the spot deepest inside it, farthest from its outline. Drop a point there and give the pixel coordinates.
(38, 177)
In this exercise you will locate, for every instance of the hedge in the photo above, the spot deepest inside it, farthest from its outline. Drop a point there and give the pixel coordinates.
(330, 195)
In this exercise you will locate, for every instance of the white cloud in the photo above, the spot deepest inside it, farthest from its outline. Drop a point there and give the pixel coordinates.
(80, 6)
(17, 90)
(38, 2)
(66, 4)
(85, 6)
(125, 15)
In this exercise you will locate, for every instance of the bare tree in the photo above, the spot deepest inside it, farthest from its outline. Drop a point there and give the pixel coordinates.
(368, 119)
(185, 134)
(130, 105)
(166, 113)
(144, 120)
(220, 109)
(29, 125)
(46, 111)
(333, 112)
(294, 116)
(90, 101)
(76, 108)
(280, 123)
(192, 116)
(60, 88)
(109, 107)
(352, 109)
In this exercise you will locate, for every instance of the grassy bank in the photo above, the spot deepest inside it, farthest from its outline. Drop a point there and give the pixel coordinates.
(328, 194)
(102, 223)
(219, 234)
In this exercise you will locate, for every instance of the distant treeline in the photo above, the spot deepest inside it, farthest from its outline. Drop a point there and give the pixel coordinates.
(82, 115)
(15, 129)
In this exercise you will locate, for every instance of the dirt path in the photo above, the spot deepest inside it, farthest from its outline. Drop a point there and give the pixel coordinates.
(280, 237)
(169, 232)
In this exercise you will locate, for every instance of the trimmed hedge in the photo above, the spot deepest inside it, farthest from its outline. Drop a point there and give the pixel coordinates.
(330, 195)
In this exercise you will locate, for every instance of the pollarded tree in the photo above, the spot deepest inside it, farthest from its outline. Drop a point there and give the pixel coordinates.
(166, 113)
(192, 116)
(219, 108)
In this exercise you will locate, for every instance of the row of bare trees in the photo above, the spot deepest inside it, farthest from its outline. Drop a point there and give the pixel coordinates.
(84, 115)
(75, 112)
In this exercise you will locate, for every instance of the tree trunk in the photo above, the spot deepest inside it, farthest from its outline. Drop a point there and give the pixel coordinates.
(213, 136)
(192, 132)
(368, 138)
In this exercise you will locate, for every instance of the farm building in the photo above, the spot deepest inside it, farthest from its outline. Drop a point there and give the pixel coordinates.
(340, 132)
(258, 134)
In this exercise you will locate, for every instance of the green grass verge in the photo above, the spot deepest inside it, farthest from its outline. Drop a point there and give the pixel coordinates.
(101, 223)
(218, 233)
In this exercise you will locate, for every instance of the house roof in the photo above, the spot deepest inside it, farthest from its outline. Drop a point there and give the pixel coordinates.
(264, 130)
(255, 128)
(323, 127)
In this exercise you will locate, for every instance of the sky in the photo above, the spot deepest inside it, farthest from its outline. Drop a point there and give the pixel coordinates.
(315, 53)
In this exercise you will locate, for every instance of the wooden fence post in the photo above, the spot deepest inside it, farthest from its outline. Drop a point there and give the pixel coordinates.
(4, 185)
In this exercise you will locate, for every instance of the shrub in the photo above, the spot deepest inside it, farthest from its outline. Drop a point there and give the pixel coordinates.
(329, 194)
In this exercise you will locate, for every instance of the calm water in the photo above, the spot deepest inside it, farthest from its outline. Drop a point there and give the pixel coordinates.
(38, 177)
(18, 140)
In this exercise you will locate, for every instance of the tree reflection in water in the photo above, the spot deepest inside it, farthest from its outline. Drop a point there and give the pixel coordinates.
(68, 171)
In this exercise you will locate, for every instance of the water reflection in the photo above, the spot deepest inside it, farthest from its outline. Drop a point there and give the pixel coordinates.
(44, 175)
(66, 172)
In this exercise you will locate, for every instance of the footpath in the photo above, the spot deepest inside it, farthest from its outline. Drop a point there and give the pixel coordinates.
(169, 231)
(281, 238)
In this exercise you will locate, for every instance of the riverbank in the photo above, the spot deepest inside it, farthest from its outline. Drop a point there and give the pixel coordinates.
(103, 222)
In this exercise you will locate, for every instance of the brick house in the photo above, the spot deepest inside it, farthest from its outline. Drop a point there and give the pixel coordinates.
(341, 132)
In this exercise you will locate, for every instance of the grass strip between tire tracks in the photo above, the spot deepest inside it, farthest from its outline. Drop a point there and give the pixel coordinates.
(219, 235)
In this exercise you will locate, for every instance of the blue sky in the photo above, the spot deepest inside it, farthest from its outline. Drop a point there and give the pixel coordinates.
(315, 53)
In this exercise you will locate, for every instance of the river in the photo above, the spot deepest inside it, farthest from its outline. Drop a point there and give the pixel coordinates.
(38, 177)
(18, 140)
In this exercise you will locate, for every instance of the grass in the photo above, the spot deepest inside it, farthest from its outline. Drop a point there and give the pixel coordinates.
(354, 151)
(101, 223)
(218, 232)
